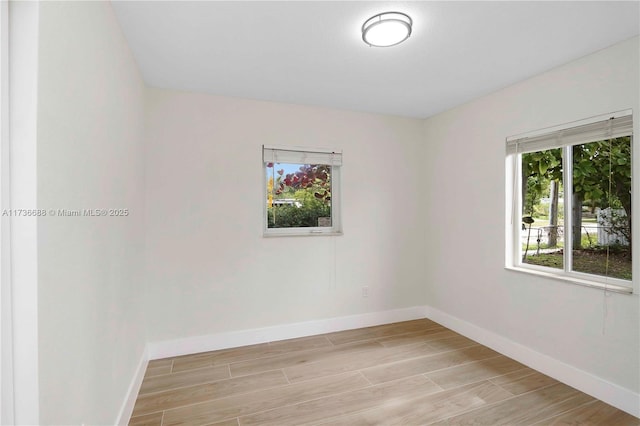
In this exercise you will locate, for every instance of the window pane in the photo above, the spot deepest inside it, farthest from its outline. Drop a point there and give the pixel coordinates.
(602, 208)
(542, 232)
(298, 195)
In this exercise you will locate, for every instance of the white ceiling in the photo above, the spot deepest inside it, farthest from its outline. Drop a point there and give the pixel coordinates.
(311, 53)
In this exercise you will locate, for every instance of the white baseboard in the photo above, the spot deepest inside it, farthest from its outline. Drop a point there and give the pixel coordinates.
(212, 342)
(132, 392)
(612, 394)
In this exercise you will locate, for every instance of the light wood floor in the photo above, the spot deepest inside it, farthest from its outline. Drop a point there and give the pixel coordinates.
(409, 373)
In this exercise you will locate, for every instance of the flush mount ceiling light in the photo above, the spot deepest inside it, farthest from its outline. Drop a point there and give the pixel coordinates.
(386, 29)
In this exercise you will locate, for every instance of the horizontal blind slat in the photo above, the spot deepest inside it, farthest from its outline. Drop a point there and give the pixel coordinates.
(591, 132)
(293, 156)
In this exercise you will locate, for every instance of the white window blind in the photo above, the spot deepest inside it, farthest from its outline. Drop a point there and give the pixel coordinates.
(595, 129)
(295, 155)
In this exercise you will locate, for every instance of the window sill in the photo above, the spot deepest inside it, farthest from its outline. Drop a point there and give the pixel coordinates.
(303, 234)
(615, 288)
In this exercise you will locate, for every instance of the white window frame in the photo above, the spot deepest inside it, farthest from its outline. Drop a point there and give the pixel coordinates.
(597, 128)
(304, 155)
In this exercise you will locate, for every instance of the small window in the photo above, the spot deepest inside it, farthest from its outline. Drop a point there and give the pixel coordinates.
(571, 207)
(302, 191)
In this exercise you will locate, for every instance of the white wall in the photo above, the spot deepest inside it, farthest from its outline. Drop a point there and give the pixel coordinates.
(209, 270)
(465, 207)
(90, 155)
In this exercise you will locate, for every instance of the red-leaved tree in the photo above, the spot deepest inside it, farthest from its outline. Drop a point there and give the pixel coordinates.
(315, 177)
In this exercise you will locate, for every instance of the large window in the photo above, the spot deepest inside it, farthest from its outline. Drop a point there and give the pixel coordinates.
(302, 191)
(571, 202)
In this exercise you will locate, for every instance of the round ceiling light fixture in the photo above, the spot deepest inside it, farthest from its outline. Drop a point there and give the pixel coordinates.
(386, 29)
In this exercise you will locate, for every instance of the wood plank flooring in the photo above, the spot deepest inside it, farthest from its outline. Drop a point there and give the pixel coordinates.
(408, 373)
